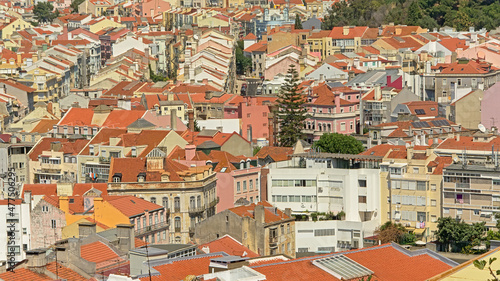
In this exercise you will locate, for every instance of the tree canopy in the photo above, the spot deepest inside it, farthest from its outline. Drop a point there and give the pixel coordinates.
(44, 12)
(339, 143)
(242, 63)
(425, 13)
(454, 232)
(291, 112)
(390, 232)
(298, 22)
(75, 4)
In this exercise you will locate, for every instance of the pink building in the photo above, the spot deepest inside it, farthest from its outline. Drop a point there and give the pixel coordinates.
(332, 110)
(237, 176)
(280, 66)
(153, 8)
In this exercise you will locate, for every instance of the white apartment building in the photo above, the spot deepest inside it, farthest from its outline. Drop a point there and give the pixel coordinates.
(327, 236)
(326, 182)
(14, 218)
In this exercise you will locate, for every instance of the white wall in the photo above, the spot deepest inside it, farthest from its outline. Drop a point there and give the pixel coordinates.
(21, 214)
(228, 125)
(344, 231)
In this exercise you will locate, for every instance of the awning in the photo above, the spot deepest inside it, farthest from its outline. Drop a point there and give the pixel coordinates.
(419, 231)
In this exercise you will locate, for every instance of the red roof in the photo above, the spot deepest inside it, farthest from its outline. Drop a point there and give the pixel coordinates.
(67, 146)
(228, 245)
(81, 188)
(44, 126)
(257, 47)
(270, 216)
(250, 36)
(351, 32)
(388, 262)
(275, 153)
(131, 206)
(470, 67)
(63, 272)
(23, 274)
(97, 252)
(40, 189)
(121, 119)
(423, 108)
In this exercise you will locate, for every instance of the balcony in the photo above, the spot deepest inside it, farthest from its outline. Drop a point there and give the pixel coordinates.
(196, 210)
(151, 228)
(177, 209)
(214, 202)
(177, 229)
(104, 160)
(50, 166)
(273, 242)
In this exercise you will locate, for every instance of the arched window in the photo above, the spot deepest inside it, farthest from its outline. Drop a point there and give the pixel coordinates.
(153, 200)
(198, 201)
(177, 224)
(165, 202)
(177, 204)
(192, 203)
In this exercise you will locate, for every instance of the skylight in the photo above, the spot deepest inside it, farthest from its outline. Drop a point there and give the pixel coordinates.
(342, 267)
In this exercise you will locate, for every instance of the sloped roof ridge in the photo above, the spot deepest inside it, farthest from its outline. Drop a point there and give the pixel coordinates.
(424, 252)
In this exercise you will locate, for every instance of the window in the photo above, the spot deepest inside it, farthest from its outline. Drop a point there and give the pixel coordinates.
(238, 187)
(177, 222)
(244, 186)
(342, 126)
(192, 202)
(477, 212)
(362, 199)
(324, 232)
(433, 187)
(250, 184)
(421, 185)
(53, 223)
(459, 82)
(282, 229)
(177, 203)
(351, 125)
(362, 183)
(415, 170)
(165, 202)
(153, 200)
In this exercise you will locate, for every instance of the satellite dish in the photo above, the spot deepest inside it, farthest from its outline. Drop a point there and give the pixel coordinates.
(481, 128)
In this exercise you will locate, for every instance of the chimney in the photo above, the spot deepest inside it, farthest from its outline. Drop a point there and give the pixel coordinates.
(398, 31)
(13, 139)
(173, 119)
(190, 151)
(126, 238)
(191, 120)
(55, 146)
(288, 212)
(19, 59)
(86, 229)
(36, 260)
(259, 214)
(170, 97)
(378, 92)
(345, 30)
(64, 204)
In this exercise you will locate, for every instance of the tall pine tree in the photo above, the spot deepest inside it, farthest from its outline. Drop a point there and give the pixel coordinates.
(291, 111)
(298, 22)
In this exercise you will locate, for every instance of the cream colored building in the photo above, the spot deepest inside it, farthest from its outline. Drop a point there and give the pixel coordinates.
(187, 193)
(410, 187)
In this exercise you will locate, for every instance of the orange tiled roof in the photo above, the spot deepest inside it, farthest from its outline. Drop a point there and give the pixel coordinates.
(276, 153)
(386, 261)
(81, 188)
(23, 274)
(40, 189)
(131, 205)
(228, 245)
(64, 272)
(44, 126)
(270, 216)
(97, 252)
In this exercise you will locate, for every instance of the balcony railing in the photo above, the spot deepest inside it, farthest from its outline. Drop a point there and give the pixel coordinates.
(273, 241)
(177, 209)
(104, 160)
(214, 202)
(151, 228)
(177, 229)
(196, 210)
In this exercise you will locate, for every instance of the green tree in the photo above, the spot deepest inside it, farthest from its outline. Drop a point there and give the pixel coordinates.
(243, 63)
(481, 265)
(414, 14)
(298, 22)
(291, 112)
(44, 12)
(74, 5)
(256, 150)
(339, 143)
(156, 77)
(390, 232)
(460, 234)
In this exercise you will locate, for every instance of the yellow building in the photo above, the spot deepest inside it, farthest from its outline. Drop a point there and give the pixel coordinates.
(320, 42)
(9, 28)
(410, 187)
(467, 270)
(96, 26)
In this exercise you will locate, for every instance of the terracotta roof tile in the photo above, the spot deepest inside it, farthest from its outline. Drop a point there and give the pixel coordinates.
(40, 189)
(228, 245)
(97, 252)
(64, 272)
(275, 153)
(23, 274)
(131, 206)
(270, 216)
(80, 188)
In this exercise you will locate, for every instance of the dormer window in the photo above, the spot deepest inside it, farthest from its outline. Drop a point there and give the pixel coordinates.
(242, 165)
(77, 130)
(117, 177)
(141, 177)
(248, 163)
(91, 150)
(133, 153)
